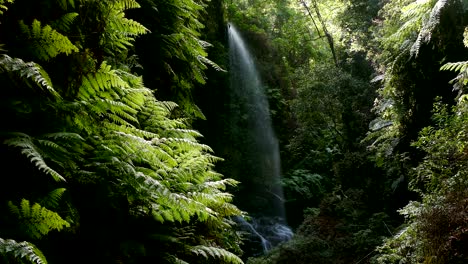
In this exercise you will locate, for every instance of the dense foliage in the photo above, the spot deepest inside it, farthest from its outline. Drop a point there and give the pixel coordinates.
(361, 141)
(101, 160)
(100, 169)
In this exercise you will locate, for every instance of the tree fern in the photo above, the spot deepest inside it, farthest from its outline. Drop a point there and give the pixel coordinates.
(21, 250)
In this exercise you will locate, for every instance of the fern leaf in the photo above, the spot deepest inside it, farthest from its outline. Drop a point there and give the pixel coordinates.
(65, 4)
(3, 7)
(65, 22)
(47, 42)
(29, 70)
(64, 135)
(178, 261)
(217, 253)
(455, 66)
(37, 220)
(123, 5)
(215, 66)
(28, 148)
(22, 250)
(53, 198)
(424, 35)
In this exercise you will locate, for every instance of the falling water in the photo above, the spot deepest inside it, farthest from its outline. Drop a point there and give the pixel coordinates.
(249, 228)
(250, 112)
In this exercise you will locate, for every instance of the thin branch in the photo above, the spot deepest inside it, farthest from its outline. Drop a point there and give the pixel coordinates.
(311, 17)
(327, 34)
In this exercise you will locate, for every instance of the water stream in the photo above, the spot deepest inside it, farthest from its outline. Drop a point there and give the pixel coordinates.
(261, 164)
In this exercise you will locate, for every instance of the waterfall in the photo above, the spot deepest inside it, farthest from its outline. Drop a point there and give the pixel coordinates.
(258, 162)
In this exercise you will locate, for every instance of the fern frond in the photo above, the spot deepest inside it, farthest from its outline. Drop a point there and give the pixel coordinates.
(22, 250)
(455, 66)
(65, 4)
(28, 148)
(178, 261)
(129, 27)
(29, 70)
(217, 253)
(462, 78)
(123, 5)
(205, 60)
(183, 144)
(37, 220)
(104, 80)
(52, 199)
(169, 106)
(64, 136)
(65, 22)
(221, 184)
(120, 31)
(424, 35)
(47, 43)
(3, 7)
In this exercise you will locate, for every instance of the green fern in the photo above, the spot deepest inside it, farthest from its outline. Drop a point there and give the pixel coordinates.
(217, 253)
(65, 22)
(65, 4)
(461, 67)
(28, 70)
(120, 135)
(47, 43)
(429, 25)
(21, 250)
(120, 32)
(3, 7)
(126, 4)
(416, 23)
(205, 60)
(33, 153)
(52, 199)
(36, 220)
(455, 66)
